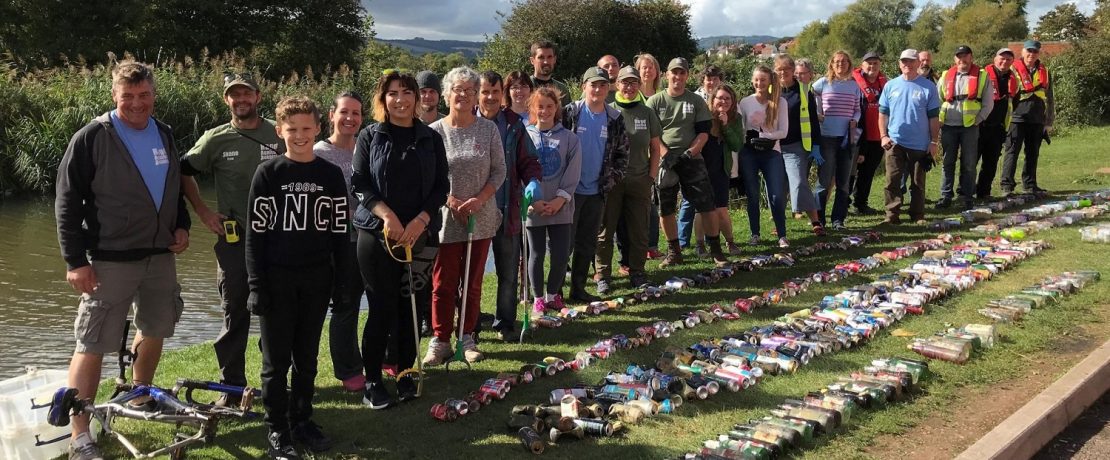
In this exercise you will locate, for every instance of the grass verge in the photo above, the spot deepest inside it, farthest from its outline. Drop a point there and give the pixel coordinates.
(408, 432)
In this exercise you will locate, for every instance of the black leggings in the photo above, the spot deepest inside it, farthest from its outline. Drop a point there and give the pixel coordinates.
(389, 309)
(557, 238)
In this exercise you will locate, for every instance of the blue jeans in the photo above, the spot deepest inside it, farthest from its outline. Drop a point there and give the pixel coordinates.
(838, 167)
(506, 259)
(797, 162)
(686, 214)
(771, 165)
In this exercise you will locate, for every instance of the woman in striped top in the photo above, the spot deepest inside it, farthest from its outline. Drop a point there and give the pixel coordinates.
(839, 111)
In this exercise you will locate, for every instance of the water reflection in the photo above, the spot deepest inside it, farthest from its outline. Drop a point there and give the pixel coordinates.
(37, 306)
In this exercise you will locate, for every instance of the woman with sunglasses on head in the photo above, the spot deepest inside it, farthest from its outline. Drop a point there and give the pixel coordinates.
(344, 120)
(839, 112)
(518, 88)
(476, 168)
(399, 177)
(766, 118)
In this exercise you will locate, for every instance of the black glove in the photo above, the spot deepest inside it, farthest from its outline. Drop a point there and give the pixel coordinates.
(258, 302)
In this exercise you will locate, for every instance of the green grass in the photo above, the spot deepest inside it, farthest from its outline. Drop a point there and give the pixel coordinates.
(409, 432)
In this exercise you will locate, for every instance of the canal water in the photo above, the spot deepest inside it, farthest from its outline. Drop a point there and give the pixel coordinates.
(37, 306)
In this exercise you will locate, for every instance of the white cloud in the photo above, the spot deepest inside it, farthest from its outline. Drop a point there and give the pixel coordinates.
(473, 19)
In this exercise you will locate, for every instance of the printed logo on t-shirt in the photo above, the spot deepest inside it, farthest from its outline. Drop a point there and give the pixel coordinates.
(549, 157)
(268, 151)
(230, 155)
(160, 157)
(604, 132)
(327, 214)
(639, 124)
(687, 108)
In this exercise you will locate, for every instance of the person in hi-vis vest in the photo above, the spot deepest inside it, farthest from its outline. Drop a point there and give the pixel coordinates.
(1031, 122)
(967, 97)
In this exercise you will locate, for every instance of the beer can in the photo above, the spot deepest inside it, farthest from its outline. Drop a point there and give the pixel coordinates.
(531, 440)
(569, 406)
(443, 413)
(461, 407)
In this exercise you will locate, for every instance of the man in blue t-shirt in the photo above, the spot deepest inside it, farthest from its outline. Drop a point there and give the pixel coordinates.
(909, 123)
(600, 131)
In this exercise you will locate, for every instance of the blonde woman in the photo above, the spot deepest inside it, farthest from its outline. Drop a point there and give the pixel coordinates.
(767, 118)
(839, 111)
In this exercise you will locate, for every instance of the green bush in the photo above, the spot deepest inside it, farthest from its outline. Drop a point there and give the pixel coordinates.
(40, 110)
(1079, 82)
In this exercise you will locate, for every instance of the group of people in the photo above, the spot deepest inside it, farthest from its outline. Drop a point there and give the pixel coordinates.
(407, 209)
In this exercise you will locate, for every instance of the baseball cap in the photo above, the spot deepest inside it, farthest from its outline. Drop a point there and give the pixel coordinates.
(595, 73)
(628, 72)
(871, 55)
(909, 53)
(678, 63)
(232, 80)
(427, 79)
(1002, 51)
(1032, 45)
(963, 49)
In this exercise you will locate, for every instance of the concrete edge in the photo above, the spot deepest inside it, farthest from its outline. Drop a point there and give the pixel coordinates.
(1029, 429)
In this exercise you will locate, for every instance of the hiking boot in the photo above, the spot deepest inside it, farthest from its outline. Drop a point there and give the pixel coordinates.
(355, 384)
(866, 210)
(944, 203)
(719, 257)
(439, 351)
(470, 349)
(406, 389)
(88, 450)
(733, 249)
(673, 257)
(603, 286)
(308, 434)
(700, 251)
(280, 446)
(637, 280)
(839, 226)
(376, 396)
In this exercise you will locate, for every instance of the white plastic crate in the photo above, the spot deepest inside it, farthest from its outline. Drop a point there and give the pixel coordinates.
(17, 393)
(19, 423)
(19, 443)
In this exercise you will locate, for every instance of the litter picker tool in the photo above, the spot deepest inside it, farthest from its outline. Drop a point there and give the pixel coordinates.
(459, 357)
(407, 260)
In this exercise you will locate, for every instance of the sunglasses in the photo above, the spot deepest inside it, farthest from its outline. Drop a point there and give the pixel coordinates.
(393, 71)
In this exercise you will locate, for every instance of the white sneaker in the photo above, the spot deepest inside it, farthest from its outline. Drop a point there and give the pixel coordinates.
(470, 349)
(754, 240)
(83, 448)
(438, 352)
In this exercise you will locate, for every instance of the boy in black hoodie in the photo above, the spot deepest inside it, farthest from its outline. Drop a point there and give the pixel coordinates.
(297, 235)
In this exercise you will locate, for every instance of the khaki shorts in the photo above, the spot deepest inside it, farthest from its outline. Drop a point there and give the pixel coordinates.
(149, 284)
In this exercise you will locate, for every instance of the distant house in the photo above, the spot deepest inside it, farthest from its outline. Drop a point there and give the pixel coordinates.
(1047, 48)
(728, 49)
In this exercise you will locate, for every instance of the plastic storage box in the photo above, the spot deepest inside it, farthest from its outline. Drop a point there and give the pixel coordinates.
(19, 423)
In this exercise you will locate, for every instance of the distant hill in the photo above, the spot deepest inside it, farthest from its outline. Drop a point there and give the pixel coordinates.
(707, 42)
(420, 46)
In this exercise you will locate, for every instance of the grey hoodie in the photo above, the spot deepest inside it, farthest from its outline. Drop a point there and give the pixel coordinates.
(102, 207)
(561, 161)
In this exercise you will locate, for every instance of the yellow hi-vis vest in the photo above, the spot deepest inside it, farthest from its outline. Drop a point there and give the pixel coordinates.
(970, 107)
(803, 116)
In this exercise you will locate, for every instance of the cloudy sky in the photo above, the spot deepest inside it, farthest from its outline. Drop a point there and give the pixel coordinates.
(473, 19)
